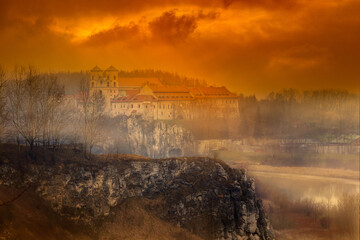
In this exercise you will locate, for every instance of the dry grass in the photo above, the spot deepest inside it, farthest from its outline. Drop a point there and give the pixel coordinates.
(307, 219)
(31, 218)
(134, 221)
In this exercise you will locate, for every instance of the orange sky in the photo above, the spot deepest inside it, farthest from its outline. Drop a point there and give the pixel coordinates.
(251, 46)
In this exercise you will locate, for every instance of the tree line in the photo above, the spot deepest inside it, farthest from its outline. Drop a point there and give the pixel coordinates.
(290, 113)
(34, 111)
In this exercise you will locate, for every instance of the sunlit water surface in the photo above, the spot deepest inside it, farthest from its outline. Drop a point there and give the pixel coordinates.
(325, 190)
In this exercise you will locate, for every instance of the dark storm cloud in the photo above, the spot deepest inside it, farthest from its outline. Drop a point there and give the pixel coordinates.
(262, 3)
(171, 27)
(116, 34)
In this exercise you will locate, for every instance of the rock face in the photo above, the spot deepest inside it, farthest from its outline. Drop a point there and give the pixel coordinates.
(158, 139)
(202, 195)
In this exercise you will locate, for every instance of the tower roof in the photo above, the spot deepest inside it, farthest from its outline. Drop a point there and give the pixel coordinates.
(111, 68)
(96, 69)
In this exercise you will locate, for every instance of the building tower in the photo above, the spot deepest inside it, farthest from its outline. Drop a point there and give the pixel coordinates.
(104, 82)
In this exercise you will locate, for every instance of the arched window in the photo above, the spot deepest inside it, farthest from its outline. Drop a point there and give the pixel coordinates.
(101, 82)
(114, 77)
(92, 84)
(114, 84)
(92, 77)
(100, 92)
(107, 77)
(108, 84)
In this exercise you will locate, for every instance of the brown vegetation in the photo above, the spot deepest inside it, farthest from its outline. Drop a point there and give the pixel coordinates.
(307, 219)
(30, 217)
(134, 220)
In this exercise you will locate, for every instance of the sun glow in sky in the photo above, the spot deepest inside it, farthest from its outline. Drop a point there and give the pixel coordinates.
(249, 46)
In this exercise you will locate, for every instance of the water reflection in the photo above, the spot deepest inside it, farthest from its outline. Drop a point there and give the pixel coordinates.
(319, 189)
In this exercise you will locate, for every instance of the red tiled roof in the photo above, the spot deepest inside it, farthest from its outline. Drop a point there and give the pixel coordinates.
(169, 89)
(175, 93)
(216, 92)
(131, 93)
(96, 69)
(195, 92)
(111, 69)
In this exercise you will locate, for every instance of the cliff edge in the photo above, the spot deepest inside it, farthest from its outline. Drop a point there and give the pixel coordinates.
(202, 195)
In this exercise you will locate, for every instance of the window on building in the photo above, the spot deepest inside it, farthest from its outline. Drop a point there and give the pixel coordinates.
(92, 77)
(107, 77)
(101, 82)
(92, 84)
(138, 105)
(108, 84)
(114, 77)
(131, 106)
(100, 92)
(114, 84)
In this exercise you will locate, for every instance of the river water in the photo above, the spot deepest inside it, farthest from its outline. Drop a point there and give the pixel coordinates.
(317, 188)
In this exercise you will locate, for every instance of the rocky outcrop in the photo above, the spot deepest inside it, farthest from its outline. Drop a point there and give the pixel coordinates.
(158, 139)
(202, 195)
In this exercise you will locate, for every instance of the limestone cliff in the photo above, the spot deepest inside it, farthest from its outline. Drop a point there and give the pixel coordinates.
(202, 195)
(158, 139)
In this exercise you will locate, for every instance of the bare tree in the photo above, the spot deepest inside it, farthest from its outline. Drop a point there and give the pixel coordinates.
(92, 109)
(53, 114)
(30, 122)
(14, 100)
(37, 109)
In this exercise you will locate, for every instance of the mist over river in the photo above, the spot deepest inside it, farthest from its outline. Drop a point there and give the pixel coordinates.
(320, 189)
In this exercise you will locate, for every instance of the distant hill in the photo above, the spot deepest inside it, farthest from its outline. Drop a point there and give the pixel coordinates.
(71, 80)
